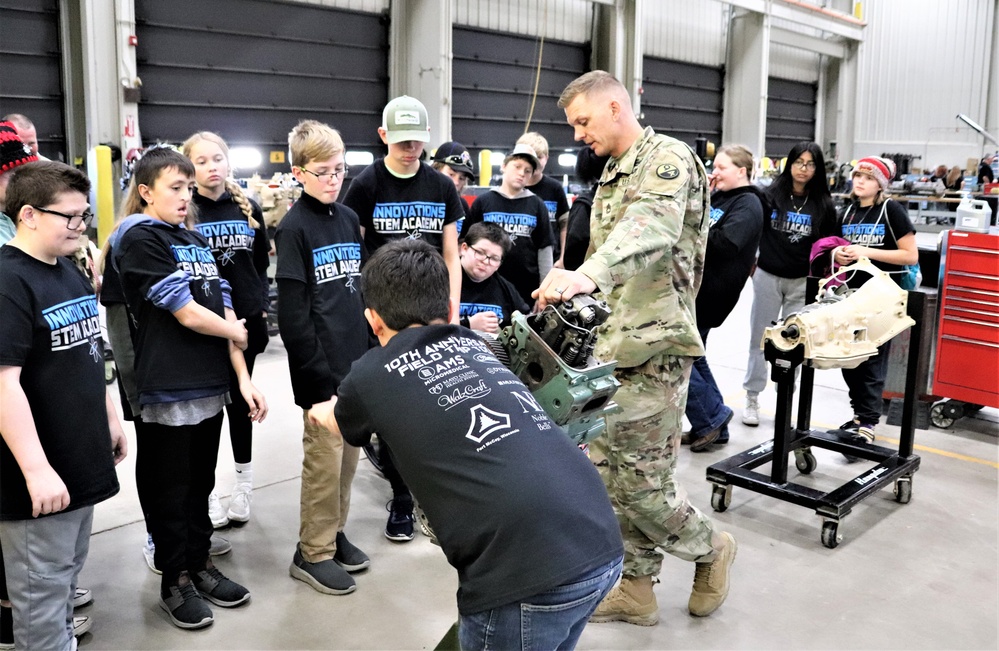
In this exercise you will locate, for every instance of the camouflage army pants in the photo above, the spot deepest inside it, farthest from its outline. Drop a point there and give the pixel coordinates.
(636, 458)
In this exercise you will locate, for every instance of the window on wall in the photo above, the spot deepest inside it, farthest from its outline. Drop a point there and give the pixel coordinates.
(790, 115)
(683, 100)
(31, 65)
(251, 69)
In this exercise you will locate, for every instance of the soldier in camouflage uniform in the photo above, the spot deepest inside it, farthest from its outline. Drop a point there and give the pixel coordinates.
(648, 231)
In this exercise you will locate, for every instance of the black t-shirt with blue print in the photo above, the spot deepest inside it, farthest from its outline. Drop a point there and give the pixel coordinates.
(494, 294)
(553, 194)
(525, 220)
(788, 234)
(390, 208)
(321, 313)
(50, 329)
(879, 226)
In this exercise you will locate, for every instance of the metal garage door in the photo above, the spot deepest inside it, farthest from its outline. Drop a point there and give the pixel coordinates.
(493, 79)
(790, 115)
(251, 69)
(683, 100)
(31, 65)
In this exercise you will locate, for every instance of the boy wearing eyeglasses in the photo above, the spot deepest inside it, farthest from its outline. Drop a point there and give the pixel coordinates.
(61, 438)
(321, 319)
(488, 300)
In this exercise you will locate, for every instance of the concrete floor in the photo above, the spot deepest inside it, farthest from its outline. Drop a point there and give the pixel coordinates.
(919, 576)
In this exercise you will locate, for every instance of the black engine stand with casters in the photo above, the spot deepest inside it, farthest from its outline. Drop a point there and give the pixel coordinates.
(895, 466)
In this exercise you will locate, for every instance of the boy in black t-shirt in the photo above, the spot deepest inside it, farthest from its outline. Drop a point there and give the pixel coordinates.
(519, 510)
(550, 191)
(524, 217)
(61, 438)
(319, 267)
(488, 300)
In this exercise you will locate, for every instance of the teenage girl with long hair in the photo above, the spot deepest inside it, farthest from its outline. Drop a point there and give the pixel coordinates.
(185, 337)
(802, 212)
(233, 226)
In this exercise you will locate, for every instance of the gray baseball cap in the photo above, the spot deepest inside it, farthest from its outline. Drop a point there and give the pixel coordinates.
(405, 118)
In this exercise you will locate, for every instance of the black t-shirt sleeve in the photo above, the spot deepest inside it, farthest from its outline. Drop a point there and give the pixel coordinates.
(351, 416)
(739, 228)
(143, 263)
(360, 199)
(314, 378)
(291, 263)
(15, 327)
(898, 219)
(542, 234)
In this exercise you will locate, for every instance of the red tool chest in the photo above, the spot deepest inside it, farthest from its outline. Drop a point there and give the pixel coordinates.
(967, 354)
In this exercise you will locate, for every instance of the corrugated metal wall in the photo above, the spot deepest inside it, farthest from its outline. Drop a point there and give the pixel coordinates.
(565, 20)
(370, 6)
(788, 62)
(693, 31)
(923, 62)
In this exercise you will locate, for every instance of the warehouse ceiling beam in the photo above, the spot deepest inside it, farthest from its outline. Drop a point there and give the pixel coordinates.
(832, 22)
(835, 48)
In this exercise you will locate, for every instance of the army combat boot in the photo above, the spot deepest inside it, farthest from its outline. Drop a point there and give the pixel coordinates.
(711, 580)
(632, 601)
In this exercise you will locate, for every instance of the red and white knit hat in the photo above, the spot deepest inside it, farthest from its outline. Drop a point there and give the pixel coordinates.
(881, 170)
(13, 152)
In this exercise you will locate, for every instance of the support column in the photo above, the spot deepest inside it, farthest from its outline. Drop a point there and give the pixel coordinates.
(846, 104)
(617, 44)
(420, 59)
(747, 64)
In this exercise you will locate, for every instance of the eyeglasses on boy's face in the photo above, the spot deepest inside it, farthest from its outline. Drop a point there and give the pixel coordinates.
(804, 165)
(482, 256)
(72, 221)
(327, 177)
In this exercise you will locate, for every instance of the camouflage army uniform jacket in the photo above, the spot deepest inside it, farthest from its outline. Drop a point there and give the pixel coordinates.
(648, 231)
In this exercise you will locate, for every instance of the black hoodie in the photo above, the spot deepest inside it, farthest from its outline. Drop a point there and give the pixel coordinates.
(733, 239)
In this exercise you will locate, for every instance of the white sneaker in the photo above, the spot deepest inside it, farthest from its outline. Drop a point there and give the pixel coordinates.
(81, 625)
(82, 597)
(239, 503)
(216, 512)
(149, 553)
(751, 413)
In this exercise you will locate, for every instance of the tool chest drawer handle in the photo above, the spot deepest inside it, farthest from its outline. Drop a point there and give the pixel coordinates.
(969, 311)
(958, 288)
(958, 299)
(974, 250)
(984, 323)
(969, 341)
(970, 275)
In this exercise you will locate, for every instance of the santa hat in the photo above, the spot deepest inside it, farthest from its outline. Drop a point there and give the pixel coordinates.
(13, 152)
(881, 170)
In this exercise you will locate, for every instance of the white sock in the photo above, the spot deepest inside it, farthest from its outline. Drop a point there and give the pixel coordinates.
(244, 473)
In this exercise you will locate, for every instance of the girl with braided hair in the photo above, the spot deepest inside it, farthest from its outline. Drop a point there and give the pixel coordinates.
(233, 225)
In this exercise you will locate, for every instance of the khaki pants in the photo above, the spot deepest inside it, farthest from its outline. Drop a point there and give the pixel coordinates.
(327, 472)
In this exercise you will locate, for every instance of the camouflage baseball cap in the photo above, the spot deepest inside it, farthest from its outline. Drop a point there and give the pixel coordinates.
(405, 118)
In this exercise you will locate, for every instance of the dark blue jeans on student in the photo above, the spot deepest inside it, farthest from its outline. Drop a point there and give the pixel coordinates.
(706, 409)
(553, 619)
(866, 383)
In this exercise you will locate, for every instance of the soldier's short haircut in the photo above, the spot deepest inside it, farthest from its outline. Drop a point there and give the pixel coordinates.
(20, 121)
(536, 141)
(592, 82)
(40, 184)
(312, 140)
(489, 231)
(406, 283)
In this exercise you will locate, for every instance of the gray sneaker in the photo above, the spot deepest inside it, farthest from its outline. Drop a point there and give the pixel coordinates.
(81, 624)
(348, 556)
(219, 546)
(218, 588)
(184, 605)
(325, 576)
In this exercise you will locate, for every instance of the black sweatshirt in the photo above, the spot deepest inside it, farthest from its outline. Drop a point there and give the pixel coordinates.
(321, 313)
(734, 236)
(242, 253)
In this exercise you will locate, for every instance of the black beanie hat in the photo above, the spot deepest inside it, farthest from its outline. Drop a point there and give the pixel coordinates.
(13, 152)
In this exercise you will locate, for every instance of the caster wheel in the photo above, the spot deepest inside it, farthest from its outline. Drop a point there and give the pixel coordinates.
(721, 497)
(903, 490)
(805, 461)
(830, 535)
(939, 417)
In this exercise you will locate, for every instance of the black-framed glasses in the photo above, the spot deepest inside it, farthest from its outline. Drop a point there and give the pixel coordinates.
(72, 221)
(326, 177)
(804, 165)
(482, 256)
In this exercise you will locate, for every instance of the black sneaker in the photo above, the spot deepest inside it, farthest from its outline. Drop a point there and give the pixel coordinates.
(400, 522)
(348, 556)
(218, 588)
(6, 627)
(184, 605)
(325, 576)
(857, 433)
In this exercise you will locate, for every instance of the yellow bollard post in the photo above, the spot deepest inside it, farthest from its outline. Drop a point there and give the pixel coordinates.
(485, 167)
(102, 190)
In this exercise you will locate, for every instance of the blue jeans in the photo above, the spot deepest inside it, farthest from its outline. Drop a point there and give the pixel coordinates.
(706, 408)
(553, 619)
